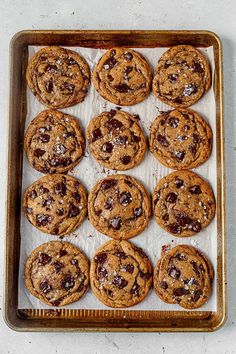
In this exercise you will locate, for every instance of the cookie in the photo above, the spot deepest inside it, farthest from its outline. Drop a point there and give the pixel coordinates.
(55, 204)
(116, 140)
(183, 203)
(54, 142)
(183, 276)
(57, 273)
(119, 206)
(120, 274)
(182, 76)
(180, 139)
(122, 76)
(58, 77)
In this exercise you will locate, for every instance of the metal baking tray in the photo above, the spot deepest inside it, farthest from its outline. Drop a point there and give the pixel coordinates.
(103, 320)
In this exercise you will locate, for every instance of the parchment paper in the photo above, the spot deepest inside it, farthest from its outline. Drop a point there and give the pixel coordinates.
(149, 172)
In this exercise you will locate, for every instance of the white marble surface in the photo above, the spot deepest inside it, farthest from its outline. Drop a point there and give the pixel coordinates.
(215, 15)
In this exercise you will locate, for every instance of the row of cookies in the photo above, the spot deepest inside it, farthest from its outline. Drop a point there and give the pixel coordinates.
(179, 139)
(119, 205)
(59, 77)
(120, 275)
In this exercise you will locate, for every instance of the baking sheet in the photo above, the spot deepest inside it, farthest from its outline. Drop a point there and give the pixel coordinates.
(148, 172)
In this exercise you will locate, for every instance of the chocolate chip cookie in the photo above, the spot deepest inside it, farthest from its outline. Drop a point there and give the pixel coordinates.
(119, 206)
(57, 273)
(183, 203)
(120, 274)
(180, 139)
(116, 140)
(184, 276)
(182, 76)
(122, 76)
(54, 142)
(58, 77)
(55, 204)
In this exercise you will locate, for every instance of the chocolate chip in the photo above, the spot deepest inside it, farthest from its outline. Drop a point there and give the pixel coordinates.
(166, 64)
(134, 289)
(44, 138)
(140, 251)
(173, 122)
(108, 292)
(121, 140)
(128, 56)
(180, 257)
(106, 184)
(39, 152)
(125, 198)
(100, 258)
(196, 226)
(171, 197)
(51, 68)
(102, 272)
(119, 282)
(114, 124)
(129, 268)
(60, 149)
(180, 291)
(189, 90)
(55, 161)
(192, 149)
(60, 188)
(28, 210)
(68, 282)
(195, 138)
(110, 78)
(128, 70)
(63, 253)
(55, 231)
(164, 285)
(175, 228)
(45, 286)
(32, 194)
(165, 217)
(96, 134)
(109, 203)
(43, 190)
(174, 273)
(138, 212)
(125, 159)
(179, 183)
(77, 197)
(69, 135)
(71, 61)
(44, 258)
(98, 212)
(120, 254)
(58, 266)
(186, 127)
(107, 147)
(162, 140)
(74, 262)
(195, 190)
(73, 211)
(195, 267)
(112, 113)
(68, 86)
(196, 67)
(43, 220)
(49, 86)
(183, 219)
(110, 63)
(123, 88)
(173, 78)
(60, 212)
(56, 302)
(197, 294)
(180, 155)
(115, 223)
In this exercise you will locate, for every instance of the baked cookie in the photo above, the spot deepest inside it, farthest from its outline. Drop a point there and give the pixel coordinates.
(120, 274)
(183, 203)
(180, 139)
(182, 76)
(54, 142)
(55, 204)
(119, 206)
(58, 77)
(183, 276)
(57, 273)
(122, 76)
(116, 140)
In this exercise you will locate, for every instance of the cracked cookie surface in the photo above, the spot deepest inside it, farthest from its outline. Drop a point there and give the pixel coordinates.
(119, 206)
(183, 276)
(57, 273)
(122, 76)
(58, 77)
(116, 140)
(180, 139)
(55, 204)
(120, 274)
(182, 76)
(183, 203)
(54, 142)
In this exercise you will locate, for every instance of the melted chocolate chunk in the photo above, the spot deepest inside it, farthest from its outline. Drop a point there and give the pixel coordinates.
(197, 294)
(165, 217)
(43, 220)
(134, 289)
(110, 63)
(121, 140)
(174, 272)
(60, 188)
(129, 268)
(180, 155)
(196, 67)
(119, 282)
(173, 122)
(195, 267)
(138, 212)
(71, 61)
(164, 285)
(140, 251)
(125, 159)
(120, 254)
(123, 88)
(167, 64)
(73, 211)
(58, 266)
(63, 253)
(51, 68)
(173, 78)
(39, 152)
(162, 140)
(171, 197)
(183, 219)
(96, 134)
(60, 212)
(174, 228)
(180, 291)
(193, 149)
(114, 124)
(45, 286)
(69, 135)
(179, 183)
(110, 78)
(180, 257)
(195, 190)
(55, 161)
(196, 226)
(109, 203)
(128, 56)
(186, 127)
(125, 198)
(68, 282)
(108, 292)
(43, 190)
(33, 194)
(195, 138)
(108, 184)
(44, 138)
(44, 258)
(189, 90)
(49, 86)
(135, 138)
(102, 272)
(128, 70)
(74, 262)
(100, 258)
(69, 87)
(56, 302)
(115, 223)
(77, 197)
(112, 113)
(107, 147)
